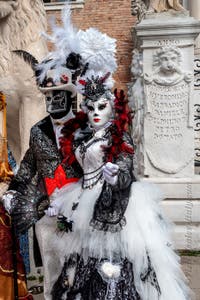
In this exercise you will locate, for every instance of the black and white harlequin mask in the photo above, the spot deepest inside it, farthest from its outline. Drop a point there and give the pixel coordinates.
(59, 91)
(58, 101)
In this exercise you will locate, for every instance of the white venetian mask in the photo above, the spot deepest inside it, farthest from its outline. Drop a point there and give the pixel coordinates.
(99, 112)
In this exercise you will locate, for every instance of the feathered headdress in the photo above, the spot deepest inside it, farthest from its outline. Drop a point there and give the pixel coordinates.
(66, 55)
(98, 54)
(61, 67)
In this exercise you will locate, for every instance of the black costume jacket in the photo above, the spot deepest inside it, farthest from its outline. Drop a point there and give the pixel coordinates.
(112, 203)
(40, 161)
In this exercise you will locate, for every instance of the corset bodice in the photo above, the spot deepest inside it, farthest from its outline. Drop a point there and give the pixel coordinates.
(91, 157)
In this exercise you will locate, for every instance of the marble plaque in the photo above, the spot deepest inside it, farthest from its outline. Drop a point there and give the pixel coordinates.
(168, 124)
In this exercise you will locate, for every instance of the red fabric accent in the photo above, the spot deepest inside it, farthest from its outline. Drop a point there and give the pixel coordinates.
(121, 124)
(64, 78)
(82, 82)
(6, 247)
(103, 79)
(28, 297)
(66, 142)
(58, 181)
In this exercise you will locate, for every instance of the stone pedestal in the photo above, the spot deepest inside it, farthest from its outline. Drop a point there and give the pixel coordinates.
(182, 207)
(168, 54)
(194, 6)
(167, 137)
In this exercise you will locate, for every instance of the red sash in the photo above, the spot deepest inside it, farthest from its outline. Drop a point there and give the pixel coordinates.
(59, 180)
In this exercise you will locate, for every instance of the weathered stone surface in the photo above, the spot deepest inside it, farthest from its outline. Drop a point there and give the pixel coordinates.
(21, 23)
(163, 122)
(167, 42)
(164, 5)
(168, 128)
(191, 268)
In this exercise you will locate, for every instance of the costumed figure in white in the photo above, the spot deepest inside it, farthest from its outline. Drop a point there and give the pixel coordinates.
(111, 234)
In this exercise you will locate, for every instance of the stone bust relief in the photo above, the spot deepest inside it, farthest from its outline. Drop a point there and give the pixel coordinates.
(167, 67)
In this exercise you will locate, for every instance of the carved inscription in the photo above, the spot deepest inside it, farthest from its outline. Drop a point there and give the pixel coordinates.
(169, 106)
(162, 43)
(168, 138)
(168, 132)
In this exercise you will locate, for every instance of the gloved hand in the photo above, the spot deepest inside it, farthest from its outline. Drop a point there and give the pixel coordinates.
(53, 209)
(7, 199)
(110, 173)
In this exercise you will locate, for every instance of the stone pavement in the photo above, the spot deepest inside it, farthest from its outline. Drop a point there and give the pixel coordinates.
(191, 267)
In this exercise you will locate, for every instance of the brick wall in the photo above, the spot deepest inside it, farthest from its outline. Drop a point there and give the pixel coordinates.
(114, 18)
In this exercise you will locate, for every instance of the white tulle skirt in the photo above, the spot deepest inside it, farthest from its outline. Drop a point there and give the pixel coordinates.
(146, 231)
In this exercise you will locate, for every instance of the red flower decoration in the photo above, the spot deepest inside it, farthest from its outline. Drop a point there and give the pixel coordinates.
(121, 124)
(82, 82)
(64, 78)
(66, 142)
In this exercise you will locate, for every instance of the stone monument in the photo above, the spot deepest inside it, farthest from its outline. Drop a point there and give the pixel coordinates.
(162, 97)
(168, 123)
(194, 7)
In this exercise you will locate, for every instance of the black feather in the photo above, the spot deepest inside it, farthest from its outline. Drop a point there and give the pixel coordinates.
(73, 61)
(85, 69)
(28, 58)
(61, 285)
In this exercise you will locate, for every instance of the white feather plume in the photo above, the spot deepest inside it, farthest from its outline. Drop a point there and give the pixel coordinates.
(95, 48)
(98, 49)
(65, 40)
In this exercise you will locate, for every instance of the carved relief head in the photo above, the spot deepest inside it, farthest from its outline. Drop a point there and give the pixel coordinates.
(139, 8)
(7, 7)
(167, 59)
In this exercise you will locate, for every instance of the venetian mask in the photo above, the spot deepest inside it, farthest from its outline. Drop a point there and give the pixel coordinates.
(99, 112)
(58, 103)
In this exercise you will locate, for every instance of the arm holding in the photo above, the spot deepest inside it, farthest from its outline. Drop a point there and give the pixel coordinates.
(112, 203)
(120, 173)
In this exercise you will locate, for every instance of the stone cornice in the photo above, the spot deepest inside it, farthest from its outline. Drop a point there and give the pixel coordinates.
(60, 5)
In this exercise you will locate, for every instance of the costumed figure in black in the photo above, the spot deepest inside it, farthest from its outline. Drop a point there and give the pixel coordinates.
(110, 228)
(42, 170)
